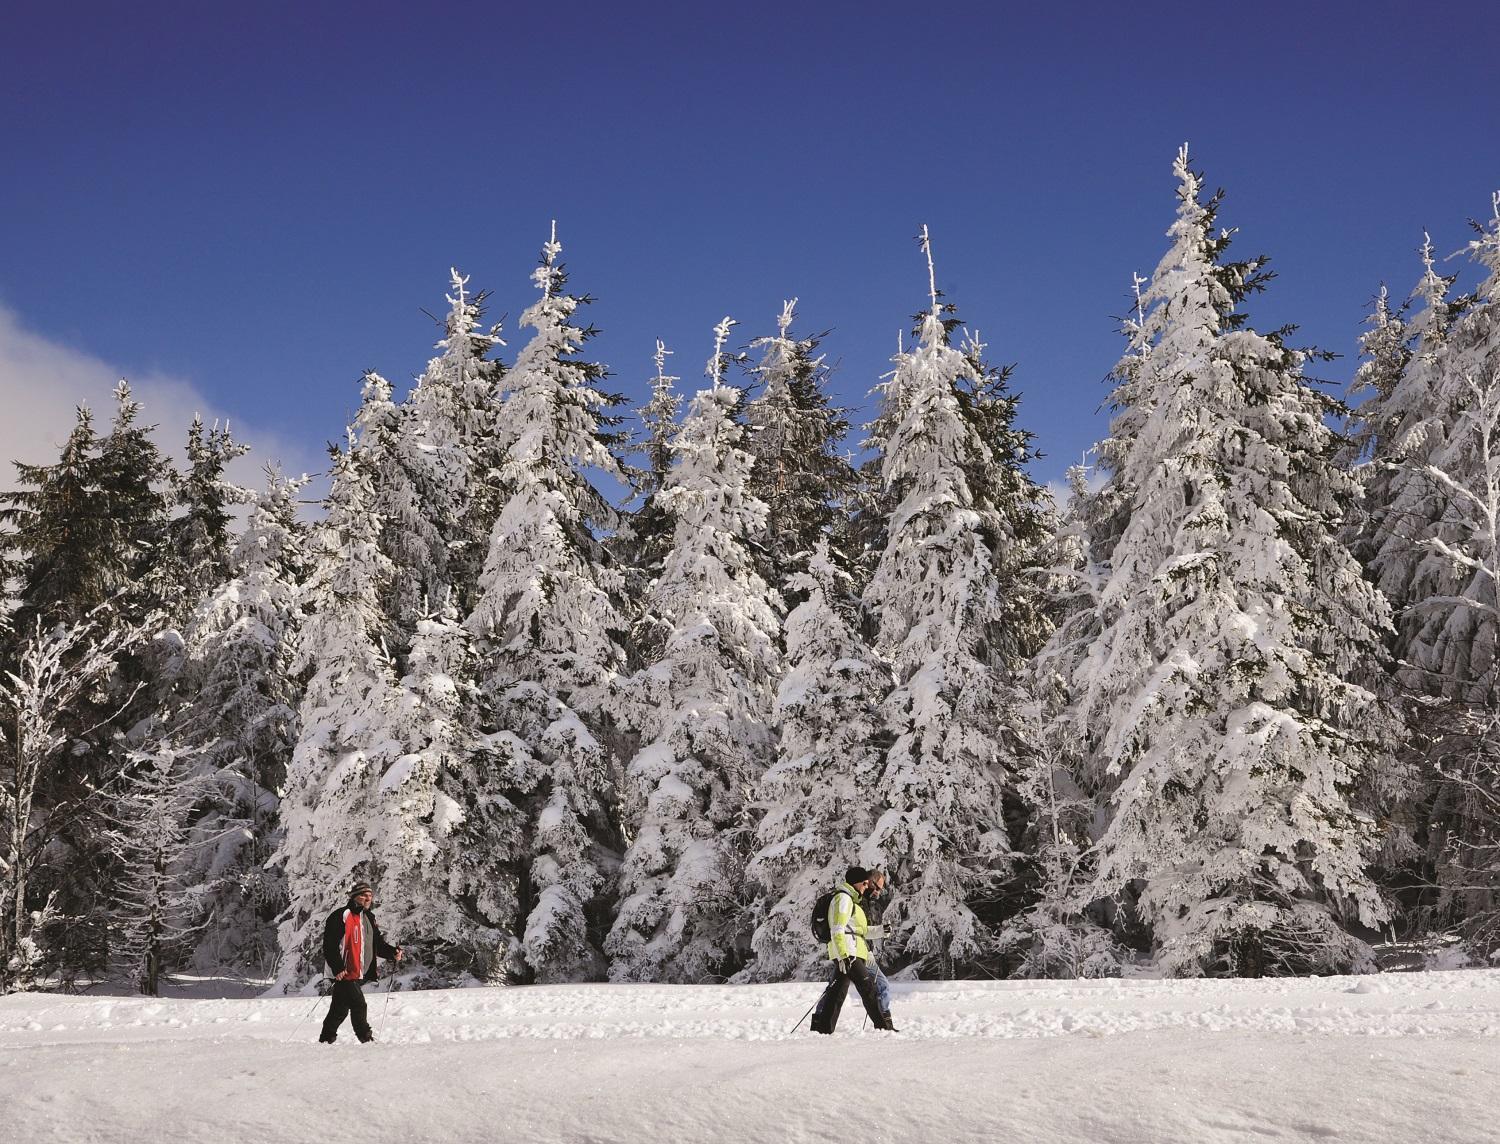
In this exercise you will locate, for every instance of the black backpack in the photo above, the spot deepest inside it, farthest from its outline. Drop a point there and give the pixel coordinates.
(820, 915)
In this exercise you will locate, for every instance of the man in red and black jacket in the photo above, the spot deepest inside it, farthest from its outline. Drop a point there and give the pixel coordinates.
(351, 945)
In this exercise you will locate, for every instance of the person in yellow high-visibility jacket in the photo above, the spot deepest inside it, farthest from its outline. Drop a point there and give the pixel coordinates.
(849, 951)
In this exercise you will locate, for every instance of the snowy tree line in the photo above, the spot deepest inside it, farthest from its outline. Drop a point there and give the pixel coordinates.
(1231, 708)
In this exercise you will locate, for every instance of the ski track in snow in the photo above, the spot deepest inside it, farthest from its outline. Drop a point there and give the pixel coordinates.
(1411, 1056)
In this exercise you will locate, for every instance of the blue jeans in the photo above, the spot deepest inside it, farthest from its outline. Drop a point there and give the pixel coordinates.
(882, 987)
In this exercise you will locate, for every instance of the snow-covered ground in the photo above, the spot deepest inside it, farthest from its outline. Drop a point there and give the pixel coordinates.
(1402, 1057)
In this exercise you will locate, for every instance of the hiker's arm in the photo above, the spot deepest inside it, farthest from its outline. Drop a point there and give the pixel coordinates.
(333, 944)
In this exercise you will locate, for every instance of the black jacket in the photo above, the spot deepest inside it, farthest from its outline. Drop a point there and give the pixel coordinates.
(333, 943)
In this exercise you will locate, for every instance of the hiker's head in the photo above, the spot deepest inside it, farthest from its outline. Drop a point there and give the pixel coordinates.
(877, 883)
(361, 894)
(858, 877)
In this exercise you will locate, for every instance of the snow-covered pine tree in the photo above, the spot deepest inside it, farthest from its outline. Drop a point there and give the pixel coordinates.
(683, 913)
(1450, 649)
(794, 434)
(436, 796)
(1464, 823)
(343, 744)
(1216, 704)
(51, 669)
(1056, 936)
(1402, 424)
(409, 536)
(434, 461)
(121, 506)
(1385, 349)
(872, 504)
(57, 531)
(815, 803)
(455, 439)
(60, 527)
(87, 529)
(1386, 435)
(551, 621)
(154, 909)
(958, 619)
(235, 709)
(135, 479)
(195, 561)
(1452, 654)
(644, 537)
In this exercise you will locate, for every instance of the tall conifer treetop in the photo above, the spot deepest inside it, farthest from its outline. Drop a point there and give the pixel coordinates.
(546, 588)
(794, 434)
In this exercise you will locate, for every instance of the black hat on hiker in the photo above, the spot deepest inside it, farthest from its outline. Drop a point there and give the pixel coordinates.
(360, 888)
(856, 874)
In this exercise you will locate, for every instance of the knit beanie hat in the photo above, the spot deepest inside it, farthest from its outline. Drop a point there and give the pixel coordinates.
(856, 874)
(360, 888)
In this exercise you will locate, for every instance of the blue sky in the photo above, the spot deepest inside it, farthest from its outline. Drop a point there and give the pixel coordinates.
(246, 206)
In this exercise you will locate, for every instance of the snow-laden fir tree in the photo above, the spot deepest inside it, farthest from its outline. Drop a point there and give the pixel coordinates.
(136, 479)
(1216, 705)
(1385, 349)
(235, 708)
(815, 800)
(645, 536)
(57, 533)
(89, 533)
(957, 620)
(433, 801)
(196, 557)
(154, 907)
(551, 620)
(455, 439)
(872, 503)
(344, 743)
(437, 472)
(1056, 935)
(794, 434)
(1464, 823)
(1452, 650)
(683, 908)
(87, 529)
(409, 513)
(52, 668)
(1401, 425)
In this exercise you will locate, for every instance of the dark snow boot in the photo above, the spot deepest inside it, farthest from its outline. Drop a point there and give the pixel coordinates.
(327, 1038)
(885, 1025)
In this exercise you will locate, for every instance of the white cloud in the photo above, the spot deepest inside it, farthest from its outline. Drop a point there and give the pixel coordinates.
(42, 382)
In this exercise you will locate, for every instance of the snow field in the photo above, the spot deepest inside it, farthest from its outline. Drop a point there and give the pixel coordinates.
(1409, 1057)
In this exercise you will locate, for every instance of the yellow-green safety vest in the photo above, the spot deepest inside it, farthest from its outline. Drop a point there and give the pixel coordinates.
(847, 925)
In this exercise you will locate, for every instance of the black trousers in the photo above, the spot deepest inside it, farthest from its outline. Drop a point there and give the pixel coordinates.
(348, 1001)
(826, 1016)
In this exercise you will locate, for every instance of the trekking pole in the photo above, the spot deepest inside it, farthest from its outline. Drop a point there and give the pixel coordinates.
(802, 1018)
(318, 1000)
(386, 1007)
(810, 1008)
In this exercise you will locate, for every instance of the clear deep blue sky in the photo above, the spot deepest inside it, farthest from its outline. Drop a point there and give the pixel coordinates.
(262, 198)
